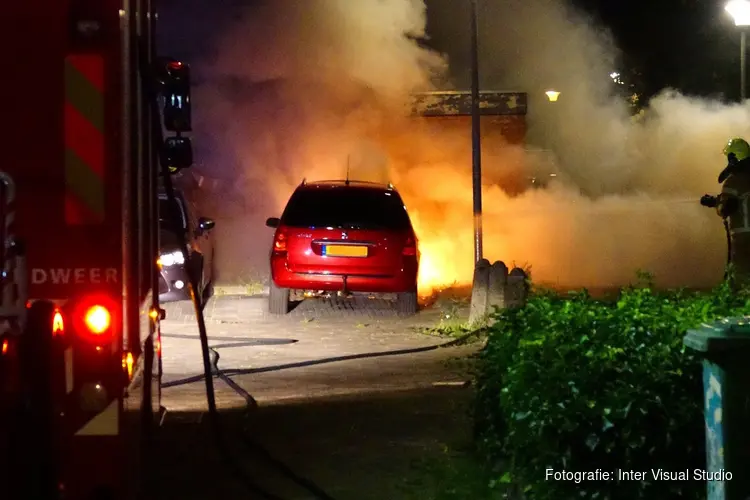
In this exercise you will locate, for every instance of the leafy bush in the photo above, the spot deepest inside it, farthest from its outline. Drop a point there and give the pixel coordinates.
(577, 384)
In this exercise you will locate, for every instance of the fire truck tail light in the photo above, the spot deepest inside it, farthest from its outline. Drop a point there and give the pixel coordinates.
(58, 326)
(97, 319)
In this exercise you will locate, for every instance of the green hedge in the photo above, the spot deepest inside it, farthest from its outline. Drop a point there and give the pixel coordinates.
(577, 384)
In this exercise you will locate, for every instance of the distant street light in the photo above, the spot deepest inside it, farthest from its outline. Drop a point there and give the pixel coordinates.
(740, 12)
(552, 95)
(615, 76)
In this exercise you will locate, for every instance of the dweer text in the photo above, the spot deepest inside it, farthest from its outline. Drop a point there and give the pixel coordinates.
(74, 276)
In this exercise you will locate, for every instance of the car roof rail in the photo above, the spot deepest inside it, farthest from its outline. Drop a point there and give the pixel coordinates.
(389, 185)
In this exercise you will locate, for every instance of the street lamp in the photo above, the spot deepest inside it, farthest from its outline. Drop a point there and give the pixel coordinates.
(476, 146)
(552, 95)
(740, 12)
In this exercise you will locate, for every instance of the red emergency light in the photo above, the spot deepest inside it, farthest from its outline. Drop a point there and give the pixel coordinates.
(95, 318)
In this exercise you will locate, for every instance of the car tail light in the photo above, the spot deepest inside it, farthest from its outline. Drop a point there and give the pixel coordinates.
(279, 243)
(410, 247)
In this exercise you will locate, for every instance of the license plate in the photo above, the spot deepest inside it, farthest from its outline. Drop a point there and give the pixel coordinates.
(345, 251)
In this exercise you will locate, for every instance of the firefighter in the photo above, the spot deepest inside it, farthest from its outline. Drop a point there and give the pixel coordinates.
(732, 206)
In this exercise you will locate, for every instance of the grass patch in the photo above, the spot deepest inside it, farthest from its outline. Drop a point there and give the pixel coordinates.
(250, 283)
(452, 475)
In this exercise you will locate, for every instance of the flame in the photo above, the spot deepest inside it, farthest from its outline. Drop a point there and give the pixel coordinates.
(429, 162)
(444, 261)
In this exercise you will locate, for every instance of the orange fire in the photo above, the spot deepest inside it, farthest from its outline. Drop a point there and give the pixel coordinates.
(568, 240)
(429, 162)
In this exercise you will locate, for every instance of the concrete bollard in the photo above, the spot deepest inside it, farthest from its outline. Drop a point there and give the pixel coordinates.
(517, 290)
(480, 292)
(494, 286)
(498, 285)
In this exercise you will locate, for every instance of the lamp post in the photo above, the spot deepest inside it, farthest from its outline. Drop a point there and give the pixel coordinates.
(740, 12)
(476, 144)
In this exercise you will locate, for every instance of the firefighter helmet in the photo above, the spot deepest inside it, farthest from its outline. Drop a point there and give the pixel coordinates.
(738, 147)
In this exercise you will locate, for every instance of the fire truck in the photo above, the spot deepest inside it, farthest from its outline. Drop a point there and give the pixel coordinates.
(94, 122)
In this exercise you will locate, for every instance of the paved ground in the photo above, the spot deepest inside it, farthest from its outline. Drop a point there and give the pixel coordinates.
(360, 426)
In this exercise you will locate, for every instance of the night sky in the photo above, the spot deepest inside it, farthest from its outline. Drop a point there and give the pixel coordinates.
(689, 45)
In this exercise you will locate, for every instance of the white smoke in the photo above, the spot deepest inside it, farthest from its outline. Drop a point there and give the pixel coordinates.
(300, 89)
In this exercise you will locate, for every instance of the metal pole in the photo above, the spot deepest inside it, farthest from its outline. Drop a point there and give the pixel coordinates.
(743, 36)
(476, 145)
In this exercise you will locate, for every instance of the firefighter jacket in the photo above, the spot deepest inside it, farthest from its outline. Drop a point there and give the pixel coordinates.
(734, 204)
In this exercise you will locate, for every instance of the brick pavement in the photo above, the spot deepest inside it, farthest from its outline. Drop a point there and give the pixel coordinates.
(325, 330)
(359, 428)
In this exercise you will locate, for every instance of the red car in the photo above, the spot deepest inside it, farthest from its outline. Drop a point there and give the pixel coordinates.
(344, 236)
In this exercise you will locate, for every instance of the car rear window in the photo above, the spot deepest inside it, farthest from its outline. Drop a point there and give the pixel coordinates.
(346, 208)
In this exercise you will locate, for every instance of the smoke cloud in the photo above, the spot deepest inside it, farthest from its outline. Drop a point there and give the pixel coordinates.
(303, 89)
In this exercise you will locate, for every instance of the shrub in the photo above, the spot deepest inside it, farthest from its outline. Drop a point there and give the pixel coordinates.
(577, 384)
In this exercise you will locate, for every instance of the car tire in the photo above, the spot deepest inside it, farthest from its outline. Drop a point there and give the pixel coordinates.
(278, 299)
(407, 303)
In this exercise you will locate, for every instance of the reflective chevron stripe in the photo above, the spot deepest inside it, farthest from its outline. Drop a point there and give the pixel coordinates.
(84, 139)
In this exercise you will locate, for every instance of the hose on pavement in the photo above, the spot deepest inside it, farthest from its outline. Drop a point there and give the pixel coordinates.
(225, 376)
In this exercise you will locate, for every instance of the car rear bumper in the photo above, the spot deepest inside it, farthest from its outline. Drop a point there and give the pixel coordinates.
(168, 281)
(400, 280)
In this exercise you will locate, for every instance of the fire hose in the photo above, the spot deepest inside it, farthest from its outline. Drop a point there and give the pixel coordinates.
(729, 246)
(225, 376)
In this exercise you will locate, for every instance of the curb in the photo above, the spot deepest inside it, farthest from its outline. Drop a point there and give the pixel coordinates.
(237, 290)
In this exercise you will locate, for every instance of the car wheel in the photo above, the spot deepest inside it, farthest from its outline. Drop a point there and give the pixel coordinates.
(278, 299)
(407, 303)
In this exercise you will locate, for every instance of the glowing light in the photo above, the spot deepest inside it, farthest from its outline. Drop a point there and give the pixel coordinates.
(171, 259)
(58, 327)
(97, 319)
(740, 12)
(128, 362)
(552, 95)
(615, 76)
